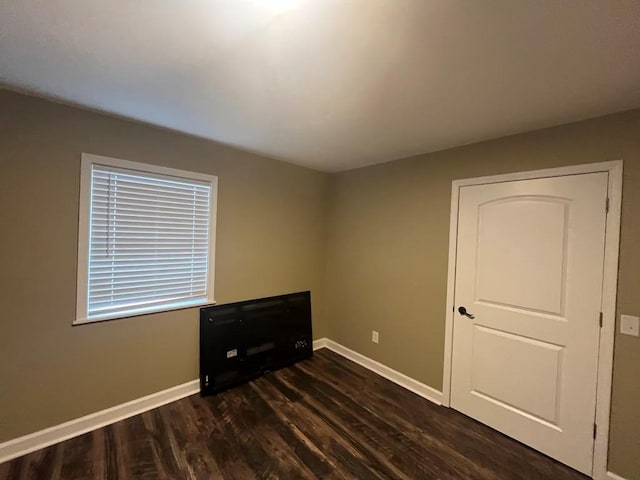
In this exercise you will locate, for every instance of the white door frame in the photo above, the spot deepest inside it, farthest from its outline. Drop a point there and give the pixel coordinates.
(609, 290)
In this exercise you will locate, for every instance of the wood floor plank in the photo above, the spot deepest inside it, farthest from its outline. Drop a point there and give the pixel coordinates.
(325, 418)
(98, 462)
(141, 454)
(287, 426)
(113, 465)
(77, 459)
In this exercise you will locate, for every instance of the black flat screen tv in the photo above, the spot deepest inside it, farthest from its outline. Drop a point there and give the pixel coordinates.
(240, 341)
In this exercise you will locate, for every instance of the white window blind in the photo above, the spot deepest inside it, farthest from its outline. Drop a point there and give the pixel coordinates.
(149, 242)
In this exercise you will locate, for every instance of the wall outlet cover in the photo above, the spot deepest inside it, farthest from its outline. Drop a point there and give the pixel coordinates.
(374, 336)
(630, 325)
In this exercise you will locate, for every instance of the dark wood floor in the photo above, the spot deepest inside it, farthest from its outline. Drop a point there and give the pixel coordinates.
(323, 418)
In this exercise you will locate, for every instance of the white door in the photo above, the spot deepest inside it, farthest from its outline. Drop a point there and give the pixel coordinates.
(529, 270)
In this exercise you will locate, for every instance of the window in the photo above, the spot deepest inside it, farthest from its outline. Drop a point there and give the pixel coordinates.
(146, 239)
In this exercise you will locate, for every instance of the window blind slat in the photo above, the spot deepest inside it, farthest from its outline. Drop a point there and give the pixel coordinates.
(117, 183)
(175, 277)
(158, 302)
(132, 297)
(104, 265)
(105, 208)
(146, 256)
(133, 274)
(161, 246)
(147, 229)
(100, 308)
(104, 194)
(130, 221)
(110, 233)
(160, 242)
(147, 178)
(114, 291)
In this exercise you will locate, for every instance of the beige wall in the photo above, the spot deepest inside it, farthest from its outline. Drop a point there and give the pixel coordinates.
(385, 229)
(388, 245)
(270, 240)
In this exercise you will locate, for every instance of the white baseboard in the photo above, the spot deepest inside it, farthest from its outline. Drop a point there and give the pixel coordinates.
(49, 436)
(320, 343)
(613, 476)
(425, 391)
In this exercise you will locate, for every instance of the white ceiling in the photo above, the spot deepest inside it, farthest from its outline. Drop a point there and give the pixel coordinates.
(330, 84)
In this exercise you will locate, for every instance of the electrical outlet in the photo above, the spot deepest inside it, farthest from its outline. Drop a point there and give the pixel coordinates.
(630, 325)
(374, 336)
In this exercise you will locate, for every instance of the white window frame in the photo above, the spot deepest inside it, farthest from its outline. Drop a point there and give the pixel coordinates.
(84, 225)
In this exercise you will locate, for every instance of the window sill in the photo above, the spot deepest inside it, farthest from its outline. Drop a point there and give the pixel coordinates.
(142, 311)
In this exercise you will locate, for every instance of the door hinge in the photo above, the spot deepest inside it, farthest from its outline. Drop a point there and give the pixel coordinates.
(606, 208)
(595, 430)
(601, 318)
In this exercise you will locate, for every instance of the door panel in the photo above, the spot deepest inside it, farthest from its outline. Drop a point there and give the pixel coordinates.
(508, 230)
(529, 267)
(498, 360)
